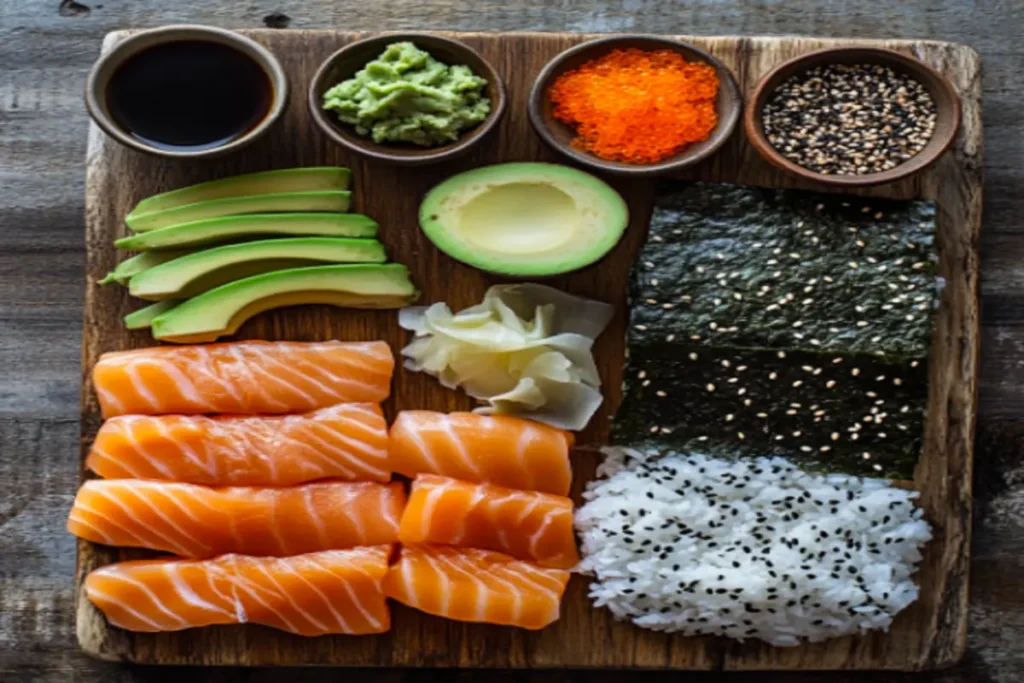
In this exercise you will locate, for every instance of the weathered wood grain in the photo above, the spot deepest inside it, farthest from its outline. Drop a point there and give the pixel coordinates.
(928, 635)
(43, 60)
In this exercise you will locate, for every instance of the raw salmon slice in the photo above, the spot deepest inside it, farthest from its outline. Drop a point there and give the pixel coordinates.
(347, 441)
(525, 524)
(469, 584)
(507, 451)
(242, 377)
(335, 591)
(197, 521)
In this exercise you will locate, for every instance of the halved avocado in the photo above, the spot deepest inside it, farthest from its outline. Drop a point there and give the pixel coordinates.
(524, 218)
(233, 228)
(325, 200)
(131, 267)
(311, 179)
(222, 311)
(143, 318)
(204, 270)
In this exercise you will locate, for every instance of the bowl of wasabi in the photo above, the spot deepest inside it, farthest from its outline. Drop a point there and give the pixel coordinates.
(407, 98)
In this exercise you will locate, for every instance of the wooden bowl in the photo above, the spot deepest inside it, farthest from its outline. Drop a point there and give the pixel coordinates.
(560, 135)
(947, 106)
(98, 81)
(344, 64)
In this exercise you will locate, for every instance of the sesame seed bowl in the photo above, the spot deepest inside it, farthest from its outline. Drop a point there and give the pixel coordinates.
(885, 116)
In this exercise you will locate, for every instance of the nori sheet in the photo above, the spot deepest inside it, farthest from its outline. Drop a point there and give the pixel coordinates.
(750, 267)
(782, 283)
(815, 409)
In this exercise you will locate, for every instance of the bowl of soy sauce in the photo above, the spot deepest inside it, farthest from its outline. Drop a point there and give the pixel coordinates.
(186, 91)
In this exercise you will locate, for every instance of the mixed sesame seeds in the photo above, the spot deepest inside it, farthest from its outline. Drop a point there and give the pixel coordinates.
(855, 119)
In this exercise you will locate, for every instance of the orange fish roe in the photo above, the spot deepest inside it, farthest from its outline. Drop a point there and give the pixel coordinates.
(637, 106)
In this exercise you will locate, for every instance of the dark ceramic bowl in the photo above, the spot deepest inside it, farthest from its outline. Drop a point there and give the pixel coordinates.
(560, 136)
(99, 79)
(946, 103)
(344, 64)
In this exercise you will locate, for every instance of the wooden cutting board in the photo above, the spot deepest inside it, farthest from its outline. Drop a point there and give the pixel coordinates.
(930, 634)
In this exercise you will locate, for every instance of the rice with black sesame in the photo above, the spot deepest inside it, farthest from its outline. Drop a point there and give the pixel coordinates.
(748, 549)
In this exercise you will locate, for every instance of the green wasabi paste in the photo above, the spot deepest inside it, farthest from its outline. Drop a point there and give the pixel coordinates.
(406, 95)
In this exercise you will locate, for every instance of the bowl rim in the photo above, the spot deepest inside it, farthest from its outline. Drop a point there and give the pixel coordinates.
(722, 132)
(754, 128)
(168, 34)
(379, 152)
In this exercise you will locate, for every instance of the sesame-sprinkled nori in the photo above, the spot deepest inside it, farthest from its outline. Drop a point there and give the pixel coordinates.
(787, 269)
(829, 423)
(800, 327)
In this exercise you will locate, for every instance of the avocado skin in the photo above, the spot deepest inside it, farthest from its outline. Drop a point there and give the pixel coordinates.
(308, 179)
(213, 267)
(221, 311)
(597, 203)
(321, 201)
(143, 318)
(233, 228)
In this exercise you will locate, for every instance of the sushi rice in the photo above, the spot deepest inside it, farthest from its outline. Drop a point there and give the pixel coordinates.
(748, 549)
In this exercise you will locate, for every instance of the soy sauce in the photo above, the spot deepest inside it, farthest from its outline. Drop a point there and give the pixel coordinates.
(189, 95)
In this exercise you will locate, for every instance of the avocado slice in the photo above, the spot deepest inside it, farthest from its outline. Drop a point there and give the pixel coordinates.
(143, 318)
(528, 219)
(233, 228)
(204, 270)
(310, 179)
(130, 267)
(221, 311)
(324, 200)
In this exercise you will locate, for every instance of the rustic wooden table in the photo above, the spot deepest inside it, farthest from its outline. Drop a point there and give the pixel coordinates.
(46, 47)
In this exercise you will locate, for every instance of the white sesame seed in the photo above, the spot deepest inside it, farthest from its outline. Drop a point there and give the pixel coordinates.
(853, 265)
(741, 392)
(829, 384)
(693, 356)
(660, 394)
(641, 328)
(670, 337)
(773, 375)
(862, 323)
(668, 306)
(646, 383)
(730, 417)
(713, 325)
(866, 456)
(855, 372)
(798, 323)
(654, 283)
(762, 415)
(641, 374)
(710, 387)
(695, 337)
(740, 436)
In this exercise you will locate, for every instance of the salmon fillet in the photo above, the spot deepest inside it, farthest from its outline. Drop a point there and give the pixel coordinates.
(468, 584)
(348, 441)
(242, 377)
(197, 521)
(525, 524)
(335, 591)
(502, 450)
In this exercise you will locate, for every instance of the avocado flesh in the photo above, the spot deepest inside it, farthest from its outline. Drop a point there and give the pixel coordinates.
(312, 179)
(222, 311)
(131, 267)
(291, 202)
(234, 228)
(204, 270)
(143, 318)
(530, 219)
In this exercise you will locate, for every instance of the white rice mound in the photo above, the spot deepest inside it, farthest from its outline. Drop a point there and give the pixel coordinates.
(748, 549)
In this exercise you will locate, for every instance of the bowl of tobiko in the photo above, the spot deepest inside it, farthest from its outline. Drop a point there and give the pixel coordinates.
(635, 105)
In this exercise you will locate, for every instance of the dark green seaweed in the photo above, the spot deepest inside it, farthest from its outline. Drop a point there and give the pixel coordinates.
(749, 267)
(817, 409)
(782, 322)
